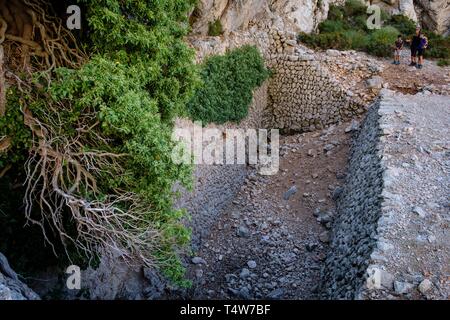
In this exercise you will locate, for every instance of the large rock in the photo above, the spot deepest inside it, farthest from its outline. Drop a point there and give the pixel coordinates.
(11, 288)
(294, 15)
(305, 15)
(434, 15)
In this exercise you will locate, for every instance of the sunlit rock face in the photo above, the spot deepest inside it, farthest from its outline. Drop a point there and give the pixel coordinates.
(434, 14)
(305, 15)
(234, 15)
(431, 14)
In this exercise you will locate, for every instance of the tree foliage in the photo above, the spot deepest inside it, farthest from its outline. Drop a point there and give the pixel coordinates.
(228, 84)
(95, 140)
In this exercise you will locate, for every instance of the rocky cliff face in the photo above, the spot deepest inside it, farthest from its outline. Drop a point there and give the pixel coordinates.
(11, 288)
(294, 15)
(305, 15)
(434, 14)
(404, 7)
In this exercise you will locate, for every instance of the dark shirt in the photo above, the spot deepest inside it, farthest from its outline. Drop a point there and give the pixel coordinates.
(399, 44)
(422, 43)
(415, 42)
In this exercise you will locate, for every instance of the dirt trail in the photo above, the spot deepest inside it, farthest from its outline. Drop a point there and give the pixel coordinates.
(263, 246)
(409, 80)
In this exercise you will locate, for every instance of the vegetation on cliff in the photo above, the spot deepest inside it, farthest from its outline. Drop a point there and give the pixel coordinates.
(346, 28)
(228, 84)
(86, 125)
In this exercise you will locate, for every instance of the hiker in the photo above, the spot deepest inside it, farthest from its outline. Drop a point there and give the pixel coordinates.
(398, 49)
(423, 44)
(414, 45)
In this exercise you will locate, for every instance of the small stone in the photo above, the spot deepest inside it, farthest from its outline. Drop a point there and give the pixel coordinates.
(337, 193)
(402, 287)
(243, 232)
(425, 286)
(244, 273)
(374, 82)
(230, 277)
(328, 147)
(292, 190)
(251, 264)
(340, 175)
(275, 294)
(310, 246)
(199, 273)
(419, 211)
(198, 260)
(333, 53)
(354, 126)
(244, 293)
(324, 237)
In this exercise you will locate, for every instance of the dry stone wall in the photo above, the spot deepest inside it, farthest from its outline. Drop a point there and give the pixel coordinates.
(303, 96)
(359, 208)
(390, 237)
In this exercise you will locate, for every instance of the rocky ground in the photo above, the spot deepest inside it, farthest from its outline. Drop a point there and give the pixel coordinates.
(270, 241)
(415, 254)
(364, 75)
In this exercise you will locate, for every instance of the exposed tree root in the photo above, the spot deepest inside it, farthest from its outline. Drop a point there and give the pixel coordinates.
(61, 175)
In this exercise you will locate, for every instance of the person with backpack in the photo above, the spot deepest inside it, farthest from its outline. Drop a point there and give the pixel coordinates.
(423, 44)
(414, 43)
(398, 47)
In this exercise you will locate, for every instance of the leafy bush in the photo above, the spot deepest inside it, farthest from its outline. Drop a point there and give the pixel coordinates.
(443, 62)
(357, 39)
(228, 83)
(438, 46)
(346, 28)
(99, 167)
(329, 26)
(215, 28)
(380, 42)
(353, 8)
(403, 24)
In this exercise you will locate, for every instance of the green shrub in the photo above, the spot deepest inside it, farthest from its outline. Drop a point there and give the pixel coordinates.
(331, 26)
(335, 13)
(228, 83)
(215, 28)
(108, 126)
(443, 62)
(380, 42)
(438, 46)
(357, 39)
(353, 8)
(403, 24)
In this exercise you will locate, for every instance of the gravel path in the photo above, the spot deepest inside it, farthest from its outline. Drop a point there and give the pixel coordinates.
(271, 240)
(417, 155)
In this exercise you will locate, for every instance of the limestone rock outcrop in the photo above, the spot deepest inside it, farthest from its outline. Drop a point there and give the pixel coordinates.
(11, 288)
(234, 15)
(305, 15)
(434, 14)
